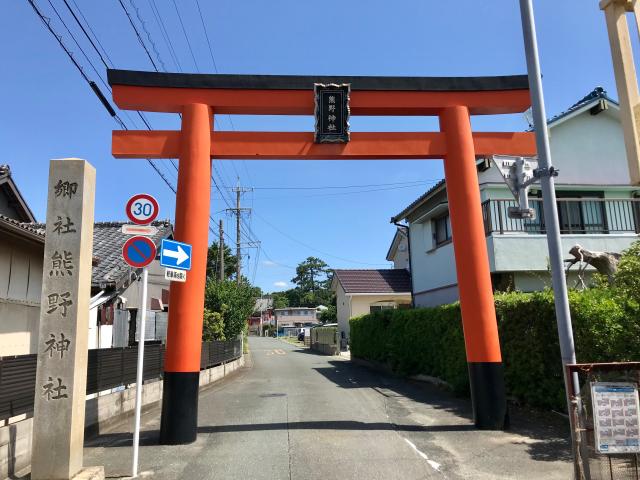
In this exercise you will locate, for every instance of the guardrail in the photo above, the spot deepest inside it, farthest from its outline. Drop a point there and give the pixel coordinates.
(107, 368)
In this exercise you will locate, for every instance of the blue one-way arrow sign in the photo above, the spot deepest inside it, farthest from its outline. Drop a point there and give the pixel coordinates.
(175, 254)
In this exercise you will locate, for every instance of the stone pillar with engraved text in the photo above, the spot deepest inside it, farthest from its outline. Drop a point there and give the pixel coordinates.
(60, 391)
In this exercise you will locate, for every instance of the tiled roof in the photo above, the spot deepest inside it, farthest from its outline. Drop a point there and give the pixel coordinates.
(374, 281)
(594, 96)
(109, 269)
(27, 227)
(10, 189)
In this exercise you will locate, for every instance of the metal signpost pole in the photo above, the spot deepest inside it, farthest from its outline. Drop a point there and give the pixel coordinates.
(545, 173)
(141, 336)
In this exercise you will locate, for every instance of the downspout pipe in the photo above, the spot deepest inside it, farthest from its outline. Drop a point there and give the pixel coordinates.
(406, 229)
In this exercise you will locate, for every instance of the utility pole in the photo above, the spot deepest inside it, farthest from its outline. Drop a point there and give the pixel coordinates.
(221, 274)
(238, 213)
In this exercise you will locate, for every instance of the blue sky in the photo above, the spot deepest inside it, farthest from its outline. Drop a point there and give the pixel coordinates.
(50, 112)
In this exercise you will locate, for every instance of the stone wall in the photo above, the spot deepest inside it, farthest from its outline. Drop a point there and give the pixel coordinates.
(101, 412)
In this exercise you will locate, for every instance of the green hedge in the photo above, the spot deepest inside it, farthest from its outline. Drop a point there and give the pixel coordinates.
(430, 341)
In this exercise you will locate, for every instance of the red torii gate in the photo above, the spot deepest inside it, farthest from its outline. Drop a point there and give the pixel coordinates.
(198, 97)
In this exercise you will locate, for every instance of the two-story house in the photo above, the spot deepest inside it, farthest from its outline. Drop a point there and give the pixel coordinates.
(598, 209)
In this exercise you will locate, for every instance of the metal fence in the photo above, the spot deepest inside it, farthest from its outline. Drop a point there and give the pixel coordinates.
(591, 464)
(107, 368)
(576, 216)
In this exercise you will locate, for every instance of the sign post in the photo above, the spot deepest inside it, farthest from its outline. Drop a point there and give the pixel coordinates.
(138, 252)
(61, 375)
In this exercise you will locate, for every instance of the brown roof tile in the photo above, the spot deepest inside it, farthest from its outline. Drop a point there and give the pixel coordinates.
(374, 281)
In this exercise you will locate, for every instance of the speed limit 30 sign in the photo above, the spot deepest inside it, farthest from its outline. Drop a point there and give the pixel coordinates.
(142, 209)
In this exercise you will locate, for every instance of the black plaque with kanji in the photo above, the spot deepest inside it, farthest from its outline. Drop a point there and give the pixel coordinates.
(332, 113)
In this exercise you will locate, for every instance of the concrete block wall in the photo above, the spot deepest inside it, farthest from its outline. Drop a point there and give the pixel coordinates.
(101, 411)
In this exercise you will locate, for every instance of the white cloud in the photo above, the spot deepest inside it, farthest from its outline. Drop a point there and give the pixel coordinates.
(269, 263)
(280, 284)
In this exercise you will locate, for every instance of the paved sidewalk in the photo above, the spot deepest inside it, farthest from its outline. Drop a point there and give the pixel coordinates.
(294, 414)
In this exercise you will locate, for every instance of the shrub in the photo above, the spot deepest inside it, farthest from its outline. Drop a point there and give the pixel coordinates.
(213, 326)
(430, 341)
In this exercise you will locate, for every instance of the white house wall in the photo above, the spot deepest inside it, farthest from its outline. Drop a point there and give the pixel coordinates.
(343, 311)
(529, 252)
(431, 268)
(20, 289)
(589, 150)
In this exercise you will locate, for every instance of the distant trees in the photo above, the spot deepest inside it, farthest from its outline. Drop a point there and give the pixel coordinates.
(313, 286)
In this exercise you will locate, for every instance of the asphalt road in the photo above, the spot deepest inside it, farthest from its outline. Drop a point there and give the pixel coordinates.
(293, 414)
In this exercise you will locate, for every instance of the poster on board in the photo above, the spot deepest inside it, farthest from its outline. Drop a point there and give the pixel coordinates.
(615, 417)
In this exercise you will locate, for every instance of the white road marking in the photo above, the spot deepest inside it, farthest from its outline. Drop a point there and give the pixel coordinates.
(432, 464)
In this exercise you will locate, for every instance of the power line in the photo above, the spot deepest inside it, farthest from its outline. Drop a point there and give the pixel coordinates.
(326, 187)
(206, 34)
(135, 29)
(284, 234)
(165, 34)
(92, 32)
(144, 27)
(186, 36)
(85, 32)
(316, 195)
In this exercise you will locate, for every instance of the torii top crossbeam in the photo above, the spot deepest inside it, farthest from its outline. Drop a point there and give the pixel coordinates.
(293, 95)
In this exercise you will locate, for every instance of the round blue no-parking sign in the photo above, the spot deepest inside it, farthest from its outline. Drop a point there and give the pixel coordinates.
(139, 251)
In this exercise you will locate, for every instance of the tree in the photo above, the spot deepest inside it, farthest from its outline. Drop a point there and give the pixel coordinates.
(213, 261)
(213, 326)
(280, 299)
(311, 275)
(234, 302)
(627, 277)
(330, 315)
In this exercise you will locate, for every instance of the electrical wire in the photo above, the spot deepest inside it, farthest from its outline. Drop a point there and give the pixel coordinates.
(92, 32)
(135, 29)
(144, 27)
(195, 62)
(286, 235)
(165, 34)
(327, 187)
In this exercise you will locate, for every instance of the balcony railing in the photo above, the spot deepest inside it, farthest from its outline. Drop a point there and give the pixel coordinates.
(576, 216)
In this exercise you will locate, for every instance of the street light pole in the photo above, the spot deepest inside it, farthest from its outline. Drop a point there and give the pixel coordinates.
(546, 173)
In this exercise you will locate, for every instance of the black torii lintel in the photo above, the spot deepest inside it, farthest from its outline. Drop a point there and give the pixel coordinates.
(306, 82)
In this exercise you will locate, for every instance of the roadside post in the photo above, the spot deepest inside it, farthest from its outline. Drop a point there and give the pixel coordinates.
(545, 173)
(138, 252)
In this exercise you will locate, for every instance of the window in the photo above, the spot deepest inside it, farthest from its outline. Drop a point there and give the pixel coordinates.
(442, 230)
(377, 308)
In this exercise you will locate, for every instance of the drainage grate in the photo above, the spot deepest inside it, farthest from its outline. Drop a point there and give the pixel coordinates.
(267, 395)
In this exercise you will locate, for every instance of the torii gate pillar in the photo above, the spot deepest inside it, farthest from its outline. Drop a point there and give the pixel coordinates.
(182, 359)
(482, 344)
